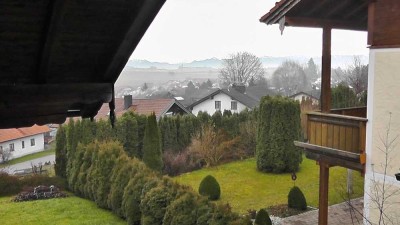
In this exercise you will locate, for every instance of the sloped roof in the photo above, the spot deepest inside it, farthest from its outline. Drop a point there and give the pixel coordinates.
(142, 107)
(17, 133)
(235, 95)
(61, 58)
(338, 14)
(304, 93)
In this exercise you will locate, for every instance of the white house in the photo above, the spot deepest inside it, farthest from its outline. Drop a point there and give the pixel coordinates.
(301, 96)
(234, 99)
(23, 141)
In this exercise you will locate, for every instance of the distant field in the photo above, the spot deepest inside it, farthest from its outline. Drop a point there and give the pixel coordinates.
(64, 211)
(246, 188)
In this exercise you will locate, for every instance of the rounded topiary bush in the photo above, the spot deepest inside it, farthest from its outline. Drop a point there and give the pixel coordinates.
(262, 218)
(296, 199)
(209, 186)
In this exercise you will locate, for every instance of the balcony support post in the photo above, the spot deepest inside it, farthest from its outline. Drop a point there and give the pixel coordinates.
(326, 70)
(323, 193)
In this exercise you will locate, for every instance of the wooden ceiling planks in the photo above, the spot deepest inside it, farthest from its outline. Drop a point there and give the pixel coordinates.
(61, 58)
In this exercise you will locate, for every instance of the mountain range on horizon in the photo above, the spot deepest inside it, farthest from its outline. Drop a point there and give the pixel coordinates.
(268, 62)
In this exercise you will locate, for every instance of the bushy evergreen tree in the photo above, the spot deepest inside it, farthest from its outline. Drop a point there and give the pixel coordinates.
(152, 155)
(127, 132)
(278, 127)
(61, 152)
(209, 186)
(262, 218)
(296, 199)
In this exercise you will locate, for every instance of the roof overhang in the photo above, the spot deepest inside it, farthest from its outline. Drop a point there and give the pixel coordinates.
(335, 14)
(61, 58)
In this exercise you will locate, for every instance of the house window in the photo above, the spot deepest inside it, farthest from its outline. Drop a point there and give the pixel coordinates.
(11, 147)
(32, 142)
(233, 105)
(23, 144)
(218, 105)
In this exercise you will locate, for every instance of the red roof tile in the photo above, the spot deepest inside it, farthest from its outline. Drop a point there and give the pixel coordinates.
(16, 133)
(139, 106)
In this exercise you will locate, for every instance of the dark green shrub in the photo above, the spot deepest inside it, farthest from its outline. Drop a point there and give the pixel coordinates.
(278, 127)
(120, 177)
(154, 205)
(262, 218)
(152, 155)
(108, 153)
(9, 185)
(61, 153)
(133, 194)
(182, 210)
(296, 199)
(127, 134)
(209, 186)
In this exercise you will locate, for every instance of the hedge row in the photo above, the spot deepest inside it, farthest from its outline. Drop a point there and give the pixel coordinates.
(103, 172)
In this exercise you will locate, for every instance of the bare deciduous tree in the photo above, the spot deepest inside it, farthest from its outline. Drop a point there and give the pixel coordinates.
(5, 155)
(290, 78)
(241, 68)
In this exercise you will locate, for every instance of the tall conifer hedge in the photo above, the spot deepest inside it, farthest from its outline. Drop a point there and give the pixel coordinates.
(152, 155)
(278, 127)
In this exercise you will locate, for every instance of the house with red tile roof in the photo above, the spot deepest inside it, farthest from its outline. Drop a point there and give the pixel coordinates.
(161, 107)
(23, 141)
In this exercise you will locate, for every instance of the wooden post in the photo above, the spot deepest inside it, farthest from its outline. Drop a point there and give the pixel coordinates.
(326, 70)
(323, 193)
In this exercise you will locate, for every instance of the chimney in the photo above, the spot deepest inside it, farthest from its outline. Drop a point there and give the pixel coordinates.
(127, 101)
(239, 87)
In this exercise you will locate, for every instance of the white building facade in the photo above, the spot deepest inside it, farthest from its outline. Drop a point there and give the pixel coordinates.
(219, 102)
(24, 146)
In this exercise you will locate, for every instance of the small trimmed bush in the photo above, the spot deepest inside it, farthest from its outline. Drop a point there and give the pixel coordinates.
(296, 199)
(209, 186)
(262, 218)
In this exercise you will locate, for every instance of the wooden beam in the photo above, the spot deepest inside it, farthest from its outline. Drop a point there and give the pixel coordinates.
(326, 70)
(131, 38)
(340, 154)
(323, 193)
(323, 23)
(371, 22)
(53, 20)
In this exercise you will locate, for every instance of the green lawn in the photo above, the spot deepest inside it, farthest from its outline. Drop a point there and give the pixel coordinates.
(51, 151)
(246, 188)
(71, 210)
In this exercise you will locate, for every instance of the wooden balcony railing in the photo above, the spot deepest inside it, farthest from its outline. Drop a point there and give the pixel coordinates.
(338, 139)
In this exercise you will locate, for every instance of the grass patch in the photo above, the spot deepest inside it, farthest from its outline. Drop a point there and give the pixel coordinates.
(243, 187)
(51, 151)
(71, 210)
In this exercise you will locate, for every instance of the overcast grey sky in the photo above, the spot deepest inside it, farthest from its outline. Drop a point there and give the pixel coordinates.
(187, 30)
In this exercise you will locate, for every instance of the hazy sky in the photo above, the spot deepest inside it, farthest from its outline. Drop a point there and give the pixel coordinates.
(187, 30)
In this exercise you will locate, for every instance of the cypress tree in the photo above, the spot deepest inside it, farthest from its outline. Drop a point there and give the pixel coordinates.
(61, 152)
(278, 127)
(152, 155)
(128, 134)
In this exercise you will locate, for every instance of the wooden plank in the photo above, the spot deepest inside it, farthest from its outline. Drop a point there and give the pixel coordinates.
(330, 115)
(324, 134)
(318, 133)
(326, 70)
(362, 137)
(384, 26)
(335, 161)
(312, 132)
(323, 23)
(342, 138)
(323, 193)
(349, 139)
(356, 139)
(330, 136)
(336, 137)
(337, 153)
